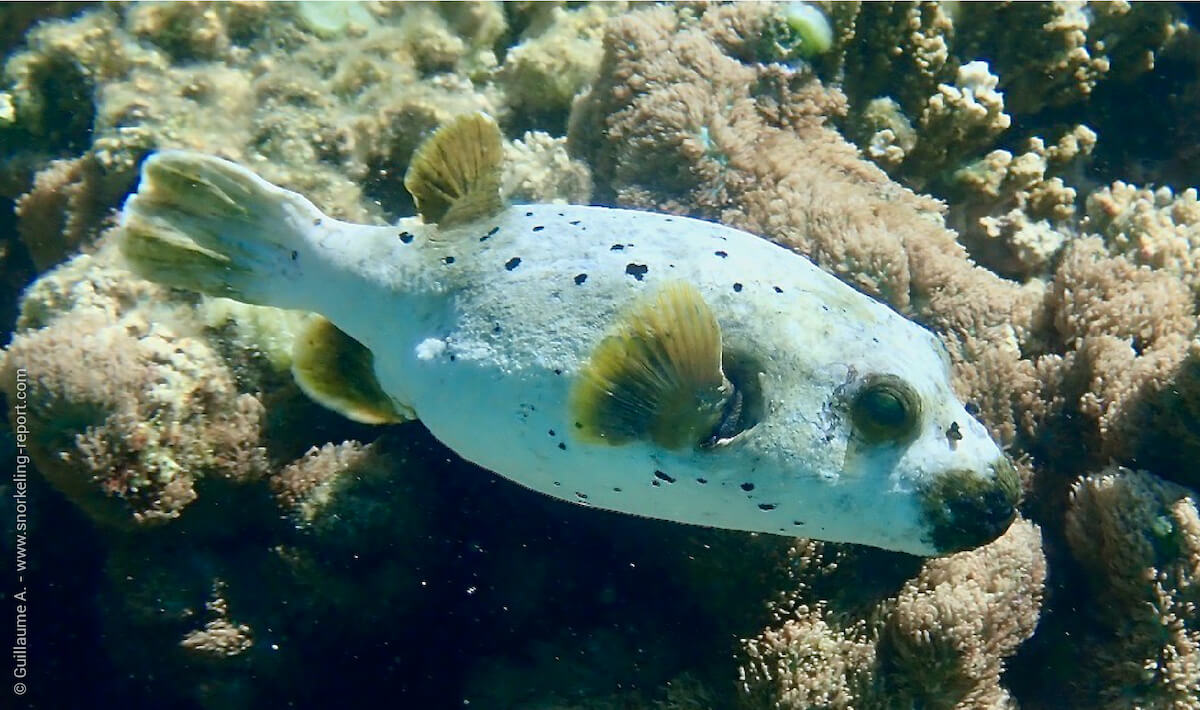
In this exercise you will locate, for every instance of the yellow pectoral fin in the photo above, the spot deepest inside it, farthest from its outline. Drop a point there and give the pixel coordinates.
(339, 372)
(454, 177)
(657, 376)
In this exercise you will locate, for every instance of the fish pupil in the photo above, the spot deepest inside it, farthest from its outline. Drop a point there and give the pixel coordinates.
(886, 409)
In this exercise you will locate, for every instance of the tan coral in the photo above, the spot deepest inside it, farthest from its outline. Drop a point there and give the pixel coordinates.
(953, 626)
(1098, 294)
(1138, 538)
(557, 56)
(1054, 54)
(808, 662)
(1127, 384)
(1154, 227)
(67, 207)
(940, 642)
(537, 168)
(959, 118)
(1013, 211)
(220, 637)
(307, 487)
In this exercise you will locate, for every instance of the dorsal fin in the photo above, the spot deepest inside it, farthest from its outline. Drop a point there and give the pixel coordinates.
(454, 177)
(656, 376)
(339, 372)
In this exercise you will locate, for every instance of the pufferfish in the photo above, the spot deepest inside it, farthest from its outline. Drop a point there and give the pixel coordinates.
(646, 363)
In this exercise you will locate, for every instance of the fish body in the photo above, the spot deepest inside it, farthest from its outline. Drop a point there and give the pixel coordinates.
(490, 329)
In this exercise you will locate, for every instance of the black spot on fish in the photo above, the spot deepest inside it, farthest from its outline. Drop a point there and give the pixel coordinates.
(766, 506)
(496, 328)
(295, 255)
(317, 222)
(656, 483)
(778, 290)
(451, 357)
(512, 263)
(574, 223)
(557, 371)
(581, 496)
(580, 278)
(637, 271)
(972, 408)
(562, 446)
(721, 254)
(701, 481)
(662, 476)
(550, 432)
(493, 230)
(447, 260)
(797, 523)
(616, 490)
(953, 434)
(747, 487)
(557, 483)
(737, 287)
(617, 247)
(539, 228)
(528, 214)
(406, 237)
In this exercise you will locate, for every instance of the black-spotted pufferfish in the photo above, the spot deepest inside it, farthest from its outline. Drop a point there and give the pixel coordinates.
(639, 362)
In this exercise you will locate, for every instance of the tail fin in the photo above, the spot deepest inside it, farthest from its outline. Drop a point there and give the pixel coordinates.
(206, 224)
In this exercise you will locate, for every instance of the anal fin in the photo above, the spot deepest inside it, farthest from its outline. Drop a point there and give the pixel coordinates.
(339, 372)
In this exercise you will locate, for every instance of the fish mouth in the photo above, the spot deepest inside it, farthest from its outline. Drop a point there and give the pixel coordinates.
(964, 509)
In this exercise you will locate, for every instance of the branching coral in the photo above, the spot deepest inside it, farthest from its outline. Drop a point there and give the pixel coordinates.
(1012, 210)
(537, 168)
(1138, 539)
(1158, 228)
(1068, 48)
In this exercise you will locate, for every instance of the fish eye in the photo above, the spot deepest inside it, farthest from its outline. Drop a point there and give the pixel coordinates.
(886, 409)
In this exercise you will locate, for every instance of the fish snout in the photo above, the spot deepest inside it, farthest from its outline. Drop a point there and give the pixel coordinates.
(963, 509)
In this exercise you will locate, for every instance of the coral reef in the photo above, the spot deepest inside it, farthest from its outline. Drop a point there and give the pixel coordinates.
(1138, 540)
(1012, 211)
(990, 170)
(558, 53)
(939, 642)
(129, 412)
(1155, 228)
(537, 168)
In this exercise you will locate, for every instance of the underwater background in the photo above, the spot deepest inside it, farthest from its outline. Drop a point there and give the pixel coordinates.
(1018, 177)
